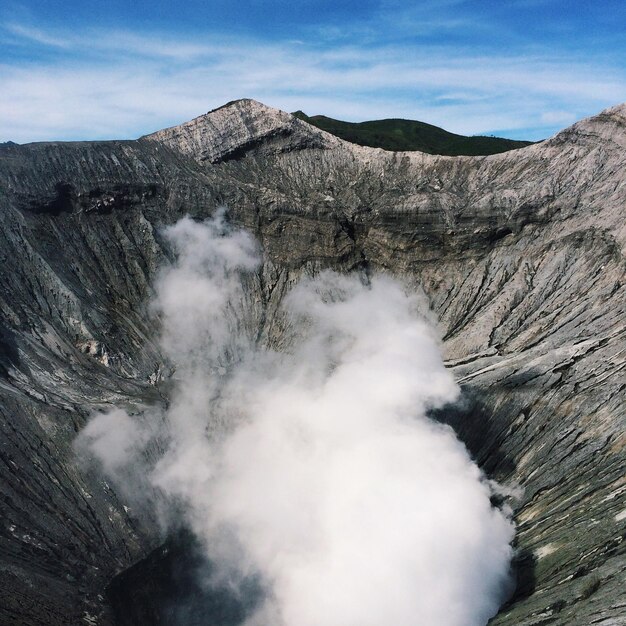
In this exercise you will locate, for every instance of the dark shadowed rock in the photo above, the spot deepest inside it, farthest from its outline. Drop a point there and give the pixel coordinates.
(521, 255)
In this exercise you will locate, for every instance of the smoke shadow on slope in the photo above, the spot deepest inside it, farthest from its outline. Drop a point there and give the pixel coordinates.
(523, 566)
(475, 424)
(482, 429)
(166, 589)
(9, 354)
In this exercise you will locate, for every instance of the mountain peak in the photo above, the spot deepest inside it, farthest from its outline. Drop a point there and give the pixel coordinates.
(607, 126)
(236, 127)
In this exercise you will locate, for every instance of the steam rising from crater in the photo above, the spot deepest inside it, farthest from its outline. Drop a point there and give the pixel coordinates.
(314, 467)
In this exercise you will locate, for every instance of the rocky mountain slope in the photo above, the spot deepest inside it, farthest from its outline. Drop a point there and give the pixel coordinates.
(521, 255)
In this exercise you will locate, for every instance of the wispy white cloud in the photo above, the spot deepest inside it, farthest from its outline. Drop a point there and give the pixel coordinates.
(558, 117)
(37, 36)
(115, 42)
(122, 84)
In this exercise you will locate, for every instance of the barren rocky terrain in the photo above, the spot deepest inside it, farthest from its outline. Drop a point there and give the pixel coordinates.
(521, 256)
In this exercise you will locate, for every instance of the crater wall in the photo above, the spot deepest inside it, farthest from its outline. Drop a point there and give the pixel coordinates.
(521, 256)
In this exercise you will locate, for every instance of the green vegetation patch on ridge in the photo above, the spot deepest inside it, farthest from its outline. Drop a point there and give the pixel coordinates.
(398, 134)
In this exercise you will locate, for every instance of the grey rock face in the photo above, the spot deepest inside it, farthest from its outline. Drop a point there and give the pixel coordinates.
(520, 254)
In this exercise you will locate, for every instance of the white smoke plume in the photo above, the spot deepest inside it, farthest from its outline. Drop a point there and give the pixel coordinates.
(315, 468)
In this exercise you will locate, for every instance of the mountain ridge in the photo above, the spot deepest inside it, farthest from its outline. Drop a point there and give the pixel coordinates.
(401, 135)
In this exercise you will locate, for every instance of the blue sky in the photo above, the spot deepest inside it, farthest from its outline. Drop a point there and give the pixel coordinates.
(85, 69)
